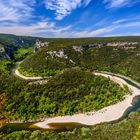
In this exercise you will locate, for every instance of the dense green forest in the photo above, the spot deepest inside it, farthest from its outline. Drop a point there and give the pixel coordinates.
(72, 89)
(117, 59)
(14, 48)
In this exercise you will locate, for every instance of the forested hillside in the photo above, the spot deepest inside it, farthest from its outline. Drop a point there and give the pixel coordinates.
(100, 54)
(12, 43)
(13, 48)
(73, 88)
(71, 92)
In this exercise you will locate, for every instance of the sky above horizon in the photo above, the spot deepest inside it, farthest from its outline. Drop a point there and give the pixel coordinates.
(70, 18)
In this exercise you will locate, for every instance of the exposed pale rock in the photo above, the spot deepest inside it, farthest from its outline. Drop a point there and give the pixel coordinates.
(59, 54)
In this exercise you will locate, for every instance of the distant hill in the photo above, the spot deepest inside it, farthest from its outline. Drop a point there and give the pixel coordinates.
(12, 43)
(106, 54)
(72, 88)
(51, 55)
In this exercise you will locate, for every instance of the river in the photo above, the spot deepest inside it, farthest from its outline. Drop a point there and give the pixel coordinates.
(60, 125)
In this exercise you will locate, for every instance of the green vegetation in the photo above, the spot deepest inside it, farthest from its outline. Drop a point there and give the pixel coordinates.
(137, 135)
(22, 53)
(123, 60)
(12, 44)
(43, 64)
(73, 91)
(118, 59)
(14, 48)
(1, 46)
(5, 65)
(123, 130)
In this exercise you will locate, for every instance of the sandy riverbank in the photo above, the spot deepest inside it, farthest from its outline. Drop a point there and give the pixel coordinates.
(107, 114)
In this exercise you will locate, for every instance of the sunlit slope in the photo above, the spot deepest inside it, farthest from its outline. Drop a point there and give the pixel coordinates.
(97, 56)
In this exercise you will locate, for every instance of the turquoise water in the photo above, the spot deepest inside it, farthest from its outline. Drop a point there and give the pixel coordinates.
(135, 106)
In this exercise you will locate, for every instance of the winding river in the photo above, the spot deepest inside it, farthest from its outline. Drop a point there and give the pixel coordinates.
(111, 113)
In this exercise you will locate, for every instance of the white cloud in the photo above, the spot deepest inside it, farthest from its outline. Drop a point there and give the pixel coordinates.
(124, 34)
(50, 29)
(63, 8)
(120, 21)
(132, 24)
(135, 34)
(15, 10)
(97, 32)
(119, 3)
(42, 27)
(86, 2)
(107, 29)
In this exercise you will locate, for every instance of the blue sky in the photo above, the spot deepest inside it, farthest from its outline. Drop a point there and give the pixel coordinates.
(70, 18)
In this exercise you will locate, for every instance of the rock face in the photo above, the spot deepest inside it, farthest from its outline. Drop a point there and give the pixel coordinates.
(86, 47)
(39, 45)
(59, 54)
(122, 44)
(131, 45)
(78, 48)
(3, 53)
(9, 44)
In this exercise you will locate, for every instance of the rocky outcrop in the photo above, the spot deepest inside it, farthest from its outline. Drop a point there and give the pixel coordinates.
(39, 45)
(59, 54)
(122, 44)
(78, 48)
(3, 53)
(86, 47)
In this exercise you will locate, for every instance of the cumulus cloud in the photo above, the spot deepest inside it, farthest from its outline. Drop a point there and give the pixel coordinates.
(63, 8)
